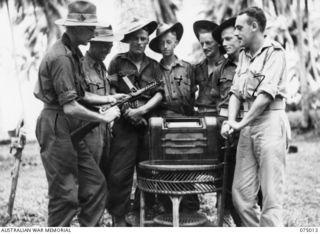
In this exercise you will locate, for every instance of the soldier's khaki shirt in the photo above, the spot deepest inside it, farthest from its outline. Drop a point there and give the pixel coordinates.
(263, 72)
(179, 87)
(95, 76)
(60, 77)
(123, 65)
(223, 82)
(208, 91)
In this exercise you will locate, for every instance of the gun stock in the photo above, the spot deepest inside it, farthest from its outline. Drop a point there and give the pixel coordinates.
(18, 140)
(79, 133)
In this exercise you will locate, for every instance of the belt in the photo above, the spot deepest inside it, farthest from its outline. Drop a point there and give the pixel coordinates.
(277, 104)
(52, 107)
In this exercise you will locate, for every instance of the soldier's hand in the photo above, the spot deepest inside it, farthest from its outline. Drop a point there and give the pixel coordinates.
(134, 115)
(235, 125)
(226, 130)
(111, 99)
(111, 114)
(120, 96)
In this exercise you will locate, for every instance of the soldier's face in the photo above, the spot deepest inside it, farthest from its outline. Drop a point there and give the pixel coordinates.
(84, 34)
(138, 41)
(230, 42)
(243, 30)
(100, 50)
(168, 43)
(209, 46)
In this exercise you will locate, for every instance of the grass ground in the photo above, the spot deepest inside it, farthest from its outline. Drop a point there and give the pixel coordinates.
(302, 189)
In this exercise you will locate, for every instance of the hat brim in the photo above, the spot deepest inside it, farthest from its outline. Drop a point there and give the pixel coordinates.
(114, 38)
(65, 22)
(150, 26)
(154, 43)
(226, 24)
(203, 24)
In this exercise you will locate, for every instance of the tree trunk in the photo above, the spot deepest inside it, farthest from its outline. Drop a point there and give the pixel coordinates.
(303, 72)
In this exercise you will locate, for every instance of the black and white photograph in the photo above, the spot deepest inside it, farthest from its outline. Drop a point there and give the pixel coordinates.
(119, 114)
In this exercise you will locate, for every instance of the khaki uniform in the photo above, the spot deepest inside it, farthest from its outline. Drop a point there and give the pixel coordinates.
(223, 79)
(179, 87)
(129, 144)
(207, 99)
(261, 149)
(98, 139)
(74, 178)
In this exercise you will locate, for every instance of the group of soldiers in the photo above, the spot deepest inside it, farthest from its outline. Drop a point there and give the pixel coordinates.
(241, 81)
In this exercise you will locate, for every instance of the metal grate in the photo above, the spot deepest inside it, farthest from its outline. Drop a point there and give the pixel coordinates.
(180, 181)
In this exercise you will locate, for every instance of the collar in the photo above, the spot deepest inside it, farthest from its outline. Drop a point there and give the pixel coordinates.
(205, 62)
(145, 59)
(177, 62)
(128, 56)
(92, 62)
(267, 42)
(229, 60)
(67, 42)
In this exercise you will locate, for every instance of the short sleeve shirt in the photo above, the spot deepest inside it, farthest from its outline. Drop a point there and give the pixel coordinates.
(122, 65)
(95, 76)
(263, 72)
(179, 87)
(60, 77)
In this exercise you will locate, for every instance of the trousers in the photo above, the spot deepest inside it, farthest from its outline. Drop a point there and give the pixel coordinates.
(260, 161)
(75, 183)
(128, 147)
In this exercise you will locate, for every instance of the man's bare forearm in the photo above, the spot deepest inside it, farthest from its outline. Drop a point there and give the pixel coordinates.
(234, 107)
(76, 110)
(152, 103)
(91, 98)
(258, 106)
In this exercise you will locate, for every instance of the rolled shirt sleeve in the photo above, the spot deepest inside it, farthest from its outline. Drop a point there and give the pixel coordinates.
(235, 87)
(274, 72)
(63, 80)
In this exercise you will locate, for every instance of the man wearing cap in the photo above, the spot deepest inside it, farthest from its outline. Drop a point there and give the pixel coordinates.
(135, 70)
(224, 34)
(76, 185)
(206, 100)
(98, 139)
(179, 87)
(259, 84)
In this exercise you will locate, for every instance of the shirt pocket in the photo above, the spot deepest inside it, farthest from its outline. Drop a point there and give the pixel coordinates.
(224, 87)
(252, 83)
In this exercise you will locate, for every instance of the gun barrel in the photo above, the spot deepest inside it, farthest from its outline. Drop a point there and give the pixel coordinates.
(80, 132)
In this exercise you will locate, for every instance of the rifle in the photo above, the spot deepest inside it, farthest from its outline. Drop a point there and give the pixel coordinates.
(82, 131)
(18, 141)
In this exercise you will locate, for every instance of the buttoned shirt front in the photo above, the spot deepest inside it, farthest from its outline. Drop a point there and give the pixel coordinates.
(123, 65)
(179, 87)
(95, 76)
(60, 77)
(224, 81)
(206, 97)
(263, 72)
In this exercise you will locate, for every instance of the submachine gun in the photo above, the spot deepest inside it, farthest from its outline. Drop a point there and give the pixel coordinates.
(79, 133)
